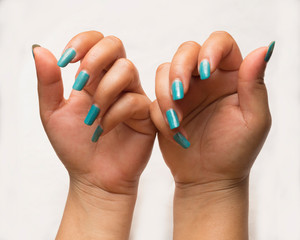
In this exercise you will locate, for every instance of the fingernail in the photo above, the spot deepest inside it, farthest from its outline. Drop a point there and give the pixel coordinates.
(172, 118)
(181, 140)
(92, 115)
(81, 80)
(270, 51)
(204, 69)
(67, 57)
(33, 47)
(177, 90)
(97, 134)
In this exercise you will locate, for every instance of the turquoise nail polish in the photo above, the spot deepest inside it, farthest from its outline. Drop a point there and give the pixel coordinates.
(92, 115)
(172, 118)
(181, 140)
(97, 134)
(33, 47)
(67, 57)
(81, 80)
(204, 69)
(177, 90)
(270, 51)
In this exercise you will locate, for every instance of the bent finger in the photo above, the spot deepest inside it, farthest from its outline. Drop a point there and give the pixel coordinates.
(78, 46)
(219, 51)
(96, 62)
(131, 109)
(183, 65)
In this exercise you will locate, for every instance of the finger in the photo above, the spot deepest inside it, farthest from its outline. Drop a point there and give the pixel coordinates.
(172, 113)
(50, 86)
(123, 76)
(157, 118)
(252, 91)
(219, 51)
(128, 109)
(78, 47)
(184, 64)
(96, 62)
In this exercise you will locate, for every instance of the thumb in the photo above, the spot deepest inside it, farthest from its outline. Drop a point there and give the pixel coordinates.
(252, 91)
(50, 86)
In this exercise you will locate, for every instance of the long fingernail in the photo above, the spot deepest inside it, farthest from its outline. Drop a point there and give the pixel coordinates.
(97, 133)
(204, 69)
(67, 57)
(81, 80)
(33, 47)
(181, 140)
(270, 51)
(177, 90)
(92, 115)
(172, 118)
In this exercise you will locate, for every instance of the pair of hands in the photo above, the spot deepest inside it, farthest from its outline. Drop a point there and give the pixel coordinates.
(225, 117)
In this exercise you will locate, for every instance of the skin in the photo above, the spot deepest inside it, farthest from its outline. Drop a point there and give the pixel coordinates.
(104, 176)
(226, 118)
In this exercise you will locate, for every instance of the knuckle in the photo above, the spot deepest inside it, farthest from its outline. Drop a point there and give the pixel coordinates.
(131, 99)
(189, 44)
(223, 34)
(162, 67)
(126, 63)
(96, 33)
(116, 41)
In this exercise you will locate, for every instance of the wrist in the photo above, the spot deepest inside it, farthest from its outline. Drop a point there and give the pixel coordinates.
(214, 210)
(93, 213)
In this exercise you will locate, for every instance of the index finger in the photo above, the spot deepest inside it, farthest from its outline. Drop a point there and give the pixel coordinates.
(78, 46)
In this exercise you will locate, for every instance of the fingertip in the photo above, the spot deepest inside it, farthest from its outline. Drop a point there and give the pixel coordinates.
(46, 67)
(177, 90)
(204, 69)
(269, 51)
(181, 140)
(33, 47)
(98, 132)
(68, 55)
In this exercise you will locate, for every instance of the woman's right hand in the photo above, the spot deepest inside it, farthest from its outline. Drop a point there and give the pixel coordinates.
(105, 170)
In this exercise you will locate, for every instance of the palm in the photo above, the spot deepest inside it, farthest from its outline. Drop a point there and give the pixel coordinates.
(217, 130)
(117, 158)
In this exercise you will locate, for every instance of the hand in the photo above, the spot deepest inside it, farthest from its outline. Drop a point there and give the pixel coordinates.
(110, 167)
(224, 114)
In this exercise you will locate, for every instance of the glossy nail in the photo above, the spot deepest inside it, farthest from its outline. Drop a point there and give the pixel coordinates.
(177, 90)
(33, 47)
(67, 57)
(92, 115)
(204, 69)
(97, 134)
(181, 140)
(81, 80)
(172, 118)
(270, 51)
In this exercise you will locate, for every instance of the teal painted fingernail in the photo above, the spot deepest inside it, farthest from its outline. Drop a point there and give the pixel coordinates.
(204, 69)
(67, 57)
(97, 134)
(81, 80)
(177, 90)
(172, 118)
(33, 47)
(92, 115)
(181, 140)
(270, 51)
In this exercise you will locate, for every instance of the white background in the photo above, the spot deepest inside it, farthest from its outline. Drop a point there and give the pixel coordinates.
(33, 182)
